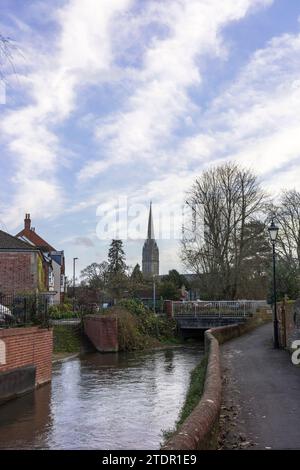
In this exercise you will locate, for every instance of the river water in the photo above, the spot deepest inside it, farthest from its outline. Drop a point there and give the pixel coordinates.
(102, 401)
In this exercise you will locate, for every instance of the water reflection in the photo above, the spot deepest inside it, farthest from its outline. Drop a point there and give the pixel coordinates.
(169, 364)
(26, 420)
(102, 401)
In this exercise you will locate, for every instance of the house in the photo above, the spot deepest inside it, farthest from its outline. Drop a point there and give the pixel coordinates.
(29, 235)
(23, 267)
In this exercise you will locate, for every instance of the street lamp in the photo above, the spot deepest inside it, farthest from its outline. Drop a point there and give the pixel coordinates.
(273, 232)
(74, 260)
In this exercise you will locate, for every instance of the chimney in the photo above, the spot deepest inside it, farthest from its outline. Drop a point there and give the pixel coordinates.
(27, 222)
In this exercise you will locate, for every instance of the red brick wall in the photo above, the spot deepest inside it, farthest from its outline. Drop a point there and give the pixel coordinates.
(169, 308)
(286, 312)
(102, 332)
(18, 272)
(27, 346)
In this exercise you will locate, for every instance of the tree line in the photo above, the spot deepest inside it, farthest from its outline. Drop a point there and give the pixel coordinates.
(225, 244)
(230, 251)
(113, 279)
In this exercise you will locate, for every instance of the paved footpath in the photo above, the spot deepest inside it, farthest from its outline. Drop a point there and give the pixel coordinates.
(261, 394)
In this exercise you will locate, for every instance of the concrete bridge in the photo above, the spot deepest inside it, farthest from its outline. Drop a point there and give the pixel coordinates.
(194, 317)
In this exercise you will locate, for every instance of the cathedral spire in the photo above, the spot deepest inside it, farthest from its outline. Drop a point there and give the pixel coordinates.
(150, 251)
(150, 224)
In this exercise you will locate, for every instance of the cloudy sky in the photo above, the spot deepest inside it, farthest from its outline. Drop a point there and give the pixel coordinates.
(129, 100)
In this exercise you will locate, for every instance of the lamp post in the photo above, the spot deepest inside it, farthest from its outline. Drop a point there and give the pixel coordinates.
(273, 232)
(74, 260)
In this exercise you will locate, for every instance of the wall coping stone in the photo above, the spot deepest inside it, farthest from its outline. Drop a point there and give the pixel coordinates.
(24, 330)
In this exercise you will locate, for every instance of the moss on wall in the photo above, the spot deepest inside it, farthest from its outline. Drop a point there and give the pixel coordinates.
(41, 275)
(66, 338)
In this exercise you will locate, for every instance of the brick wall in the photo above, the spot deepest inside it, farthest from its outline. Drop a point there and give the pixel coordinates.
(18, 272)
(102, 332)
(168, 305)
(289, 322)
(27, 346)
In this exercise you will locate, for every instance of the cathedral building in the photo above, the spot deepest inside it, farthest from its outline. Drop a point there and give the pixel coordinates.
(150, 265)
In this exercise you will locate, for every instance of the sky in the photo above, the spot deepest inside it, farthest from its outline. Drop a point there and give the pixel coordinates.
(111, 104)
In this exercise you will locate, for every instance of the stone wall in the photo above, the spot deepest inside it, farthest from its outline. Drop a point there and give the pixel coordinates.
(30, 346)
(16, 382)
(102, 331)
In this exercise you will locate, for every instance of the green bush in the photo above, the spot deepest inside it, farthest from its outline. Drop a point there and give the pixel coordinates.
(61, 311)
(129, 336)
(136, 307)
(148, 323)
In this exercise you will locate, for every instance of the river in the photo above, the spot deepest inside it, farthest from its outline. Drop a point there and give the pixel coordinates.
(102, 401)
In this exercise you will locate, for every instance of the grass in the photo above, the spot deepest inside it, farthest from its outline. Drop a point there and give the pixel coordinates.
(195, 390)
(193, 396)
(66, 339)
(175, 340)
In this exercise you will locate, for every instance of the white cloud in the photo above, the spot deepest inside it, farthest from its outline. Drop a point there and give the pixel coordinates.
(170, 68)
(81, 55)
(255, 121)
(154, 54)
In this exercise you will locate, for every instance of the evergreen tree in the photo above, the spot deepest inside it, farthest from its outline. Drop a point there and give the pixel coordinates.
(118, 281)
(177, 279)
(137, 275)
(116, 258)
(168, 290)
(136, 281)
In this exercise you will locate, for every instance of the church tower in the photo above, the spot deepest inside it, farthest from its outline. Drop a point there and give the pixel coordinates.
(150, 251)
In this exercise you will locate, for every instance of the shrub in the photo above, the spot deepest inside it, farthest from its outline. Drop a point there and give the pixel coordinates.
(148, 323)
(61, 311)
(129, 336)
(134, 306)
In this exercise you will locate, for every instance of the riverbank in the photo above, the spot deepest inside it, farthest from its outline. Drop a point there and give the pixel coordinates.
(65, 356)
(61, 357)
(195, 390)
(129, 326)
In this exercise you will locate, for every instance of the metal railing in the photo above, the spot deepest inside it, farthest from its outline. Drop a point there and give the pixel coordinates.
(217, 308)
(21, 310)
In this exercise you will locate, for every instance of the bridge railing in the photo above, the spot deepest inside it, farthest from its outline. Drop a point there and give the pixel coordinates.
(216, 308)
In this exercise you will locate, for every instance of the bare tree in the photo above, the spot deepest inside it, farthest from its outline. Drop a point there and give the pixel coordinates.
(288, 216)
(230, 198)
(95, 275)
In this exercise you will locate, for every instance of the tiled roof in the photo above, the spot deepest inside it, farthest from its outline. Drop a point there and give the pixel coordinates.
(34, 238)
(9, 242)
